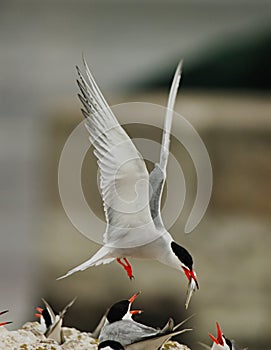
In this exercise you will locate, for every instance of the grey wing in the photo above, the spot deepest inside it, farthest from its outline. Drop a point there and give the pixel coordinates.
(158, 175)
(126, 332)
(124, 179)
(155, 342)
(95, 334)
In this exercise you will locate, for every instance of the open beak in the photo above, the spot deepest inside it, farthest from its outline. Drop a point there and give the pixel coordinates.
(219, 340)
(192, 284)
(190, 274)
(4, 323)
(131, 300)
(133, 297)
(40, 310)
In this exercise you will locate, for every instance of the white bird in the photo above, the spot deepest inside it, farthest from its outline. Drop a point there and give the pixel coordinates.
(221, 342)
(6, 322)
(121, 328)
(51, 324)
(131, 196)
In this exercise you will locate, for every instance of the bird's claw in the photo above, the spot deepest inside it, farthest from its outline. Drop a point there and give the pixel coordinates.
(132, 277)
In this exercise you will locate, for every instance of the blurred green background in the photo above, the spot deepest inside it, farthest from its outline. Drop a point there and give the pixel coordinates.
(133, 48)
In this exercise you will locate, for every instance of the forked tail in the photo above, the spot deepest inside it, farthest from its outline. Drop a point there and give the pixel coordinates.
(101, 257)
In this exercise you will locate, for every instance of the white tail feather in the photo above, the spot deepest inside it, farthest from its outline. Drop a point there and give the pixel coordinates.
(101, 257)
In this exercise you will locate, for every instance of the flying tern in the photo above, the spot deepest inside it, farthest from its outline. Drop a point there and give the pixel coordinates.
(131, 196)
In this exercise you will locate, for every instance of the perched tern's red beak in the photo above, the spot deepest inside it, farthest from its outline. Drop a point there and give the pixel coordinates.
(40, 310)
(219, 340)
(133, 297)
(190, 274)
(131, 300)
(136, 312)
(4, 323)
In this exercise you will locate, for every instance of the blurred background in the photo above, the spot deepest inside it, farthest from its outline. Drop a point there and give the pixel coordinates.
(133, 48)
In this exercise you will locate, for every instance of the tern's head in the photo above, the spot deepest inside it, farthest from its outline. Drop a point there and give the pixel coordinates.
(220, 342)
(186, 262)
(122, 310)
(110, 345)
(46, 318)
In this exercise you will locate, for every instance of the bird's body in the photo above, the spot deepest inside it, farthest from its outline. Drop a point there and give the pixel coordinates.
(151, 342)
(156, 250)
(131, 196)
(121, 328)
(51, 324)
(126, 332)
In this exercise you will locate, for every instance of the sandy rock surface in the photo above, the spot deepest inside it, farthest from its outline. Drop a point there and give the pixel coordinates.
(30, 337)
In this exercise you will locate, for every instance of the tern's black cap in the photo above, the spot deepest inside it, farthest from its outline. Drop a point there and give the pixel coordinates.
(228, 342)
(117, 311)
(182, 254)
(47, 317)
(111, 344)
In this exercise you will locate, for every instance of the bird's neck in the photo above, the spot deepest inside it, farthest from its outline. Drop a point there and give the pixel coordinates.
(167, 256)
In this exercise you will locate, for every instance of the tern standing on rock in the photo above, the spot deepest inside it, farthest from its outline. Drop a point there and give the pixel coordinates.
(51, 324)
(221, 342)
(121, 330)
(131, 196)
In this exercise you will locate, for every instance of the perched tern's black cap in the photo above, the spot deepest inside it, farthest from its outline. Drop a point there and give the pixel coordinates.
(120, 309)
(111, 344)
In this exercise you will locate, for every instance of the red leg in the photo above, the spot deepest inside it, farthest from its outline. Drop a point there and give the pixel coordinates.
(127, 266)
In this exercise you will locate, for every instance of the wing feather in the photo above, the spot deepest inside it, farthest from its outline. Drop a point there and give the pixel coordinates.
(158, 175)
(124, 179)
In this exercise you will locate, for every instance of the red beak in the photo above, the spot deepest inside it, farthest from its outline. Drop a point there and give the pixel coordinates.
(4, 323)
(219, 340)
(136, 312)
(40, 310)
(190, 274)
(133, 298)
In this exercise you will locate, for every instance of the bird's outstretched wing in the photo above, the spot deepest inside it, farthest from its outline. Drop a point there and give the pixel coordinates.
(124, 179)
(54, 330)
(158, 175)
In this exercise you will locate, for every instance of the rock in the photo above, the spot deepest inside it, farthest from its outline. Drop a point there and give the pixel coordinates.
(30, 337)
